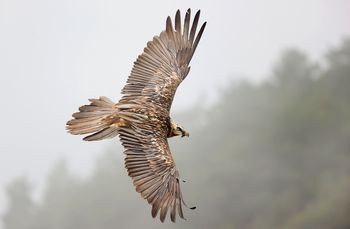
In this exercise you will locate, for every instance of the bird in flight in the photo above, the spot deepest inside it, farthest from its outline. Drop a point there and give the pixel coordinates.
(142, 119)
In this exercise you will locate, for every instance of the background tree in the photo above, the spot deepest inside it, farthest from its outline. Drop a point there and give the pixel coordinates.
(21, 209)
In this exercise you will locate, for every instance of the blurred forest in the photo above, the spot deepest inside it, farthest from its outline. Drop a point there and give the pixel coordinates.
(268, 155)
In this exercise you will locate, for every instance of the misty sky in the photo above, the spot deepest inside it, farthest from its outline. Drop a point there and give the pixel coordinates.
(54, 55)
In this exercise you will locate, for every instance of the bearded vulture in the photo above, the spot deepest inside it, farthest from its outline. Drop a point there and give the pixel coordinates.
(141, 117)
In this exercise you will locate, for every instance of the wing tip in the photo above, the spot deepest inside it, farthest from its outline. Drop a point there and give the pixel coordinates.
(154, 211)
(177, 13)
(197, 15)
(168, 23)
(178, 21)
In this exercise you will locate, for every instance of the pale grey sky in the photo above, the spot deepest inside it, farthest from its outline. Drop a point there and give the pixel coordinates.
(54, 55)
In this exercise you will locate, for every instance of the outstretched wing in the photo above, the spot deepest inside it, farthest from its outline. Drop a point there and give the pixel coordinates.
(164, 64)
(152, 168)
(148, 94)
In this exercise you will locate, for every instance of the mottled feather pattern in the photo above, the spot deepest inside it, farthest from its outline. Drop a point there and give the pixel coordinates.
(154, 78)
(141, 117)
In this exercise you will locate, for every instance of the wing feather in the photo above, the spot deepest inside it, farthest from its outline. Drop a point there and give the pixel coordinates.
(152, 168)
(164, 63)
(178, 22)
(194, 26)
(145, 105)
(187, 25)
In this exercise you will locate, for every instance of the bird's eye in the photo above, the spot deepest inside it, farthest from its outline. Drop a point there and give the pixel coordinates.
(179, 128)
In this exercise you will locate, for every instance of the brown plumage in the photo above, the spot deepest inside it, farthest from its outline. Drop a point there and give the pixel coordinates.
(141, 117)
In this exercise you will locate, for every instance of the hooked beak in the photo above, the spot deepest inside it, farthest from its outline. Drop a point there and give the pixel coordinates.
(184, 133)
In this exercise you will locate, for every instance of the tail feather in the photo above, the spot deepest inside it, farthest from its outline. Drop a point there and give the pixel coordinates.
(99, 119)
(108, 132)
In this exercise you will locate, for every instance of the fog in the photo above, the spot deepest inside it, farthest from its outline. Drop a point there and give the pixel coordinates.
(54, 55)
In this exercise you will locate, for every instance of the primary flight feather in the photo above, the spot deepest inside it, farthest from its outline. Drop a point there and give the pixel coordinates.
(141, 117)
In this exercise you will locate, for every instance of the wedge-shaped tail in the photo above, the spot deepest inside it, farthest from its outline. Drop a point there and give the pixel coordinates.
(99, 119)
